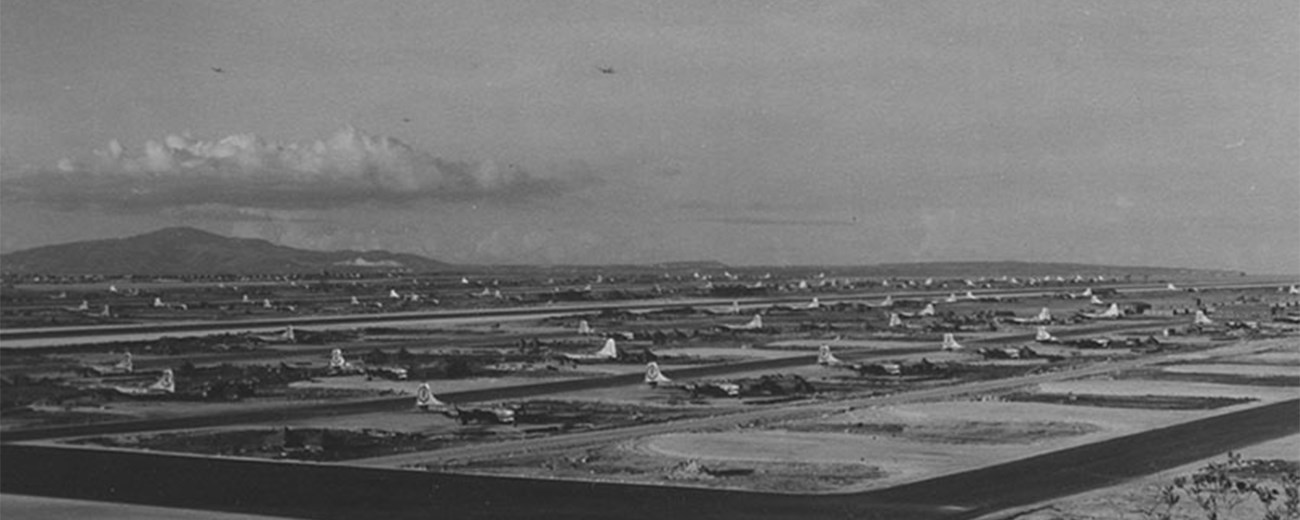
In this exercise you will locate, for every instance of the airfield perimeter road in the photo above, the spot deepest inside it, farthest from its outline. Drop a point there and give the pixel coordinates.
(18, 338)
(326, 491)
(282, 414)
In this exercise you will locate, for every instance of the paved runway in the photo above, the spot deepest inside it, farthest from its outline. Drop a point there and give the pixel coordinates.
(334, 492)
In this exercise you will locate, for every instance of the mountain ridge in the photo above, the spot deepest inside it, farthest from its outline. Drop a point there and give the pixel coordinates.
(187, 250)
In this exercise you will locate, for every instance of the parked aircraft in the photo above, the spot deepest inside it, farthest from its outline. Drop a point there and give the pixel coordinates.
(950, 343)
(607, 353)
(1202, 319)
(1008, 353)
(655, 378)
(341, 366)
(286, 336)
(827, 359)
(426, 401)
(1111, 313)
(123, 366)
(886, 303)
(1044, 316)
(754, 324)
(165, 386)
(927, 311)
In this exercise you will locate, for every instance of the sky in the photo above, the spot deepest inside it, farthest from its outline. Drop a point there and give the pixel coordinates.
(752, 133)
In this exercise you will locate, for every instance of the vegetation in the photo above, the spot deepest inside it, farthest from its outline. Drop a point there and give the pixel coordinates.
(1237, 488)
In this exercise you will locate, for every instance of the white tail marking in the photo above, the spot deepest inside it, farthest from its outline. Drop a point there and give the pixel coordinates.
(894, 320)
(1202, 319)
(166, 383)
(825, 357)
(1043, 335)
(424, 398)
(950, 343)
(653, 375)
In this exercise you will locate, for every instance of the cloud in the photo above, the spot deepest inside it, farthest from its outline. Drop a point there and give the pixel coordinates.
(347, 169)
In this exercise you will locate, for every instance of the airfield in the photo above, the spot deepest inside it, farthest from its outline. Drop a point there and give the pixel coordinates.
(750, 420)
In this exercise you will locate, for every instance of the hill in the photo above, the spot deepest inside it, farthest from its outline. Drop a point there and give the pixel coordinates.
(184, 250)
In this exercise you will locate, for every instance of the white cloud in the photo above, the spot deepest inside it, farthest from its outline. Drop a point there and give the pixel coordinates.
(244, 170)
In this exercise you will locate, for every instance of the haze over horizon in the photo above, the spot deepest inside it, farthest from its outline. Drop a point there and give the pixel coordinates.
(1159, 133)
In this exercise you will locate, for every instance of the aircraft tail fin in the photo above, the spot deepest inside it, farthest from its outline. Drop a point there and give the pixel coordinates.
(735, 307)
(1044, 315)
(950, 343)
(894, 320)
(1096, 301)
(927, 311)
(424, 398)
(584, 328)
(157, 302)
(653, 376)
(1202, 319)
(105, 312)
(609, 351)
(1112, 311)
(337, 362)
(970, 296)
(126, 364)
(166, 382)
(288, 334)
(825, 357)
(815, 303)
(756, 323)
(1087, 292)
(1043, 335)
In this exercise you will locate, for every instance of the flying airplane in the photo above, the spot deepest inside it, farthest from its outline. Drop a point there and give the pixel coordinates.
(950, 343)
(1111, 313)
(426, 401)
(1044, 316)
(606, 354)
(165, 386)
(754, 324)
(123, 366)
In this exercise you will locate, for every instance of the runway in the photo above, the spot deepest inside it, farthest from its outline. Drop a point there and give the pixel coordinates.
(19, 338)
(321, 491)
